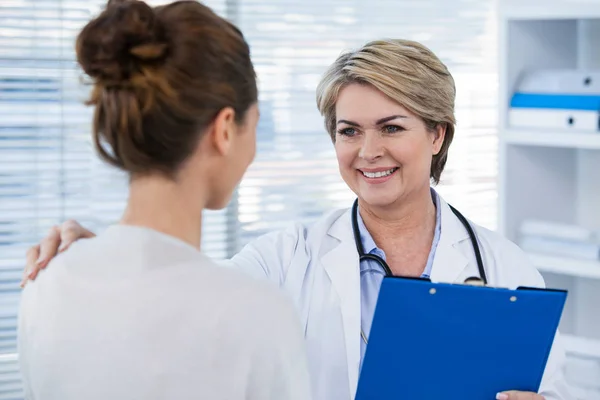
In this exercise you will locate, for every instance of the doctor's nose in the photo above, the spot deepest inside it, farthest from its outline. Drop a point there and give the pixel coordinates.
(371, 148)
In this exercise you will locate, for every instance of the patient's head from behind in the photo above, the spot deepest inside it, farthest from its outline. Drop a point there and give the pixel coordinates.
(174, 92)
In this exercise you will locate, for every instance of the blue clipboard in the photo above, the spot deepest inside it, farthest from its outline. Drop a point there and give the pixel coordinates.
(432, 341)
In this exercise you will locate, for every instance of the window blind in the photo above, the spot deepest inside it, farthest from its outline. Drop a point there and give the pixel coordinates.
(49, 171)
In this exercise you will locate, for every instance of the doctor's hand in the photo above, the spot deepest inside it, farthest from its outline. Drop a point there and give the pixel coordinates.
(514, 395)
(58, 239)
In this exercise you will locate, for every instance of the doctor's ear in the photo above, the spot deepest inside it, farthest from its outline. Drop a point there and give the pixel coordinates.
(222, 130)
(438, 135)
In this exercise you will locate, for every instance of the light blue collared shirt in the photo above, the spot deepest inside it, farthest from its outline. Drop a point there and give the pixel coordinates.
(371, 273)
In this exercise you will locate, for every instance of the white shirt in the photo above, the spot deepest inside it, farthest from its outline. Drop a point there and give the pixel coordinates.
(135, 314)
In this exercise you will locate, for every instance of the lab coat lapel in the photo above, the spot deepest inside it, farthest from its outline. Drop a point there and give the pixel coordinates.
(342, 265)
(449, 262)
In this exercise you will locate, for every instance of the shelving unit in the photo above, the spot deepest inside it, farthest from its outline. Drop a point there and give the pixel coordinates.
(553, 175)
(553, 10)
(566, 266)
(583, 347)
(551, 139)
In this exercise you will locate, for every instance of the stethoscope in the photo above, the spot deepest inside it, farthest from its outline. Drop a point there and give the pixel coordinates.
(388, 272)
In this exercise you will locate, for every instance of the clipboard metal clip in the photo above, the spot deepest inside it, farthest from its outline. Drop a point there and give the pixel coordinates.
(474, 281)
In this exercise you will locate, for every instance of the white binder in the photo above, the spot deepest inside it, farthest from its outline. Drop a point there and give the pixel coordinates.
(571, 120)
(559, 247)
(560, 81)
(558, 230)
(557, 99)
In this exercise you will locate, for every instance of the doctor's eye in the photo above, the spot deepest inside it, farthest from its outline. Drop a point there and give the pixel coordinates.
(347, 132)
(392, 129)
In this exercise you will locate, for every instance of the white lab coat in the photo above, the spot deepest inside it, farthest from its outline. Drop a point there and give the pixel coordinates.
(318, 267)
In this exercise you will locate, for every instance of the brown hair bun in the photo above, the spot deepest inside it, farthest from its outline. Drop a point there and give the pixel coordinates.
(125, 35)
(160, 75)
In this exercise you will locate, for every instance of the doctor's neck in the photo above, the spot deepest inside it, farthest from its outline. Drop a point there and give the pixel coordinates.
(167, 206)
(409, 216)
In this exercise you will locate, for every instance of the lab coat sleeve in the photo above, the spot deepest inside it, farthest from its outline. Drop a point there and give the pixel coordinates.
(269, 256)
(553, 385)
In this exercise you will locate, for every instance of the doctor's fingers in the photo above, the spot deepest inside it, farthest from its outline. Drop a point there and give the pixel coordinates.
(57, 240)
(70, 232)
(30, 265)
(39, 255)
(515, 395)
(48, 248)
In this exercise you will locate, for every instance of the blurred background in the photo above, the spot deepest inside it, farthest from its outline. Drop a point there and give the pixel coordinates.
(49, 171)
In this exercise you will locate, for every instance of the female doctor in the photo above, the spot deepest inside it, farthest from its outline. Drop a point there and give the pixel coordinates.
(389, 109)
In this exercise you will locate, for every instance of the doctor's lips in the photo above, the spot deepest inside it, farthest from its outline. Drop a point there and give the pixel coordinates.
(378, 174)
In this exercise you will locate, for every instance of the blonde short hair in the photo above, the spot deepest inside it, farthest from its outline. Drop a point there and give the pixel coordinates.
(408, 73)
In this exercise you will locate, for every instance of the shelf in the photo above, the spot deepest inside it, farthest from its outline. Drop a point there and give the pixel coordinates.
(565, 265)
(589, 141)
(580, 346)
(538, 10)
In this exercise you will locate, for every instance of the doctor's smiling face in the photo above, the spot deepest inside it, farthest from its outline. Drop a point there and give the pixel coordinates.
(384, 151)
(389, 109)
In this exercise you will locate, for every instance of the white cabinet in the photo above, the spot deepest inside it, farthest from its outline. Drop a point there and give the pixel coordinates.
(552, 174)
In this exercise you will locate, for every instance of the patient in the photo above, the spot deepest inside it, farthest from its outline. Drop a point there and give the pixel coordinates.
(139, 312)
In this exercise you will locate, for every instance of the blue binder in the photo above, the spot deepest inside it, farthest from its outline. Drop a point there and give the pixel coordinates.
(559, 99)
(432, 341)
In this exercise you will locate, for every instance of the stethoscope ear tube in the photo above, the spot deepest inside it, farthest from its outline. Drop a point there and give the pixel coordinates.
(474, 243)
(359, 246)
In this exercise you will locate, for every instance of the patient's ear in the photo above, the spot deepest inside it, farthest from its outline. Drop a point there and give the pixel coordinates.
(222, 130)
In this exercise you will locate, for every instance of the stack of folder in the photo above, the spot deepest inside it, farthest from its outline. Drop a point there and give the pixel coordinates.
(560, 239)
(567, 100)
